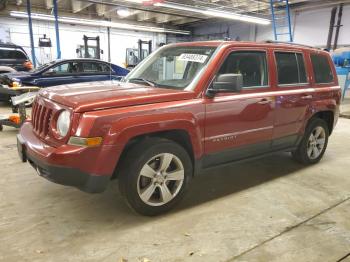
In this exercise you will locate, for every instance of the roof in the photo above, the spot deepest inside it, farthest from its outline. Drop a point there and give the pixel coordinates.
(249, 43)
(10, 45)
(81, 60)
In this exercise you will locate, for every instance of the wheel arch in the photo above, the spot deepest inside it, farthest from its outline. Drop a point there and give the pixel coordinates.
(327, 116)
(179, 136)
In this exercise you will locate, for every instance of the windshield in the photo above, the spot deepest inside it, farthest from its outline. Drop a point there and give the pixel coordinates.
(173, 67)
(41, 67)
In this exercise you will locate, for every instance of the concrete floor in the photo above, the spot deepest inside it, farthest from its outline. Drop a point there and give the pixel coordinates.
(268, 210)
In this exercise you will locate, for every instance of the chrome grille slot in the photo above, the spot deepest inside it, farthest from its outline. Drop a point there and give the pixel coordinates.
(46, 121)
(40, 122)
(41, 117)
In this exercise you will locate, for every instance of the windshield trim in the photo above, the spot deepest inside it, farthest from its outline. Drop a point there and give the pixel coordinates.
(196, 79)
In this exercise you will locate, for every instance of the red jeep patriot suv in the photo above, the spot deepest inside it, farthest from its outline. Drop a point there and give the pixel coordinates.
(187, 107)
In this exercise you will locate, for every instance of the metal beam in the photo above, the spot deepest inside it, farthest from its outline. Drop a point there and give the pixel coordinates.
(167, 18)
(29, 12)
(78, 6)
(141, 8)
(145, 16)
(49, 3)
(58, 45)
(185, 21)
(101, 10)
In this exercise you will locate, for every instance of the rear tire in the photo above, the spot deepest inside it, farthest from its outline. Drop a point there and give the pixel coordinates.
(154, 175)
(314, 142)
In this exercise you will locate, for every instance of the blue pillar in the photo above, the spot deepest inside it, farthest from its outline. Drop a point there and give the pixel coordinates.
(58, 46)
(31, 31)
(289, 22)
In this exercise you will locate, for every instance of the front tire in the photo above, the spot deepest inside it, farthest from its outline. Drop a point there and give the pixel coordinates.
(154, 175)
(314, 143)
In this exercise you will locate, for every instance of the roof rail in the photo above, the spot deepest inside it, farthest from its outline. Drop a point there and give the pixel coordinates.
(287, 43)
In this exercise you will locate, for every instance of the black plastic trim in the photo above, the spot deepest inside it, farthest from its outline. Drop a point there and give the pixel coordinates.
(65, 175)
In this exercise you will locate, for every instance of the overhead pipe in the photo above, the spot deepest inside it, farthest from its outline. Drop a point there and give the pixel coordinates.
(331, 28)
(340, 14)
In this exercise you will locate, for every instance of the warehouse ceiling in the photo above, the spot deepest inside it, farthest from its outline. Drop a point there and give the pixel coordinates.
(146, 11)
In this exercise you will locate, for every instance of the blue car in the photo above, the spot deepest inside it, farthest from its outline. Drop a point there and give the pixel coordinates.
(61, 72)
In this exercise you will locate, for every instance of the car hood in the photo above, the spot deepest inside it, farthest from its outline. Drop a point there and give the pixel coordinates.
(100, 95)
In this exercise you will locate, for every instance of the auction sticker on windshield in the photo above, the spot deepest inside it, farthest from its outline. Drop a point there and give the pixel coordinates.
(193, 58)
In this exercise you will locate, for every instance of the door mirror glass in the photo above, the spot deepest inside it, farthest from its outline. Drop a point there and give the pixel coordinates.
(50, 72)
(227, 83)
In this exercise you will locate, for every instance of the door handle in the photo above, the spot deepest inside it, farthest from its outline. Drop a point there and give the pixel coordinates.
(264, 101)
(306, 97)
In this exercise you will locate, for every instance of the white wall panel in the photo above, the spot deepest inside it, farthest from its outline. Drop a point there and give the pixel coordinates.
(71, 37)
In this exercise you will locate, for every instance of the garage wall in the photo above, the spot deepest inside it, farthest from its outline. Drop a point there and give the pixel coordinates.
(310, 28)
(16, 31)
(217, 30)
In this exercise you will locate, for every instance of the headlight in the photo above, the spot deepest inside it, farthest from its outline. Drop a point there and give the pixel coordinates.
(15, 83)
(63, 122)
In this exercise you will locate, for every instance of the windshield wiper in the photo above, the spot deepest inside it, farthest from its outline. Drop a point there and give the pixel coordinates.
(150, 83)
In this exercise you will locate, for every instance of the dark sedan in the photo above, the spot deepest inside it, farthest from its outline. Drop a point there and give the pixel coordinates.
(62, 72)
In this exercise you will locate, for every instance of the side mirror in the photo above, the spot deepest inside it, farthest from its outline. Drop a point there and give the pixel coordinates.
(226, 83)
(49, 72)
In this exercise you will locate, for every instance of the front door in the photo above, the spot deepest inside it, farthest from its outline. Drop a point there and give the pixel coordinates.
(61, 74)
(240, 125)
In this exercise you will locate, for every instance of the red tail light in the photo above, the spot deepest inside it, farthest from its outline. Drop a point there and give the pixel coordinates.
(28, 65)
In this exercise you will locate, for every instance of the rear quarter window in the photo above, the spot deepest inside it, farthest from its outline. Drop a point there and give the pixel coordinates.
(322, 69)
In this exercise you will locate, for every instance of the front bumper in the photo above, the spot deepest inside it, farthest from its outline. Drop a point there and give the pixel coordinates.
(6, 93)
(67, 165)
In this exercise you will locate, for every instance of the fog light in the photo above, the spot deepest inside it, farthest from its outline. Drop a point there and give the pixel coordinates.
(86, 142)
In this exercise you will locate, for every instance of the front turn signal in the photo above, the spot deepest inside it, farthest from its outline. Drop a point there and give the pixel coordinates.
(85, 141)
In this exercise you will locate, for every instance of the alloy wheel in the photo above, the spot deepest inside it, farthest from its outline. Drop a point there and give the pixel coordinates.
(316, 142)
(160, 179)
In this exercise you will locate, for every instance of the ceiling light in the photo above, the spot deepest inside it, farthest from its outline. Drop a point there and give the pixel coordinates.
(235, 16)
(123, 12)
(216, 13)
(78, 21)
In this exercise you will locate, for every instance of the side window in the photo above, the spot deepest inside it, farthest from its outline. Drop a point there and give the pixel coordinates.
(12, 54)
(59, 69)
(290, 68)
(105, 68)
(322, 70)
(302, 71)
(251, 64)
(91, 67)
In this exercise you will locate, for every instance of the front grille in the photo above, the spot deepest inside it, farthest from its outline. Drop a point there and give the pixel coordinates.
(41, 118)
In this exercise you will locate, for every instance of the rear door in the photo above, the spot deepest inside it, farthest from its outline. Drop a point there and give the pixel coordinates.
(325, 83)
(239, 125)
(95, 71)
(293, 96)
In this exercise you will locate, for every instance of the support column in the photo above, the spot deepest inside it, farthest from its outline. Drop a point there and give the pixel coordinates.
(109, 43)
(58, 45)
(29, 12)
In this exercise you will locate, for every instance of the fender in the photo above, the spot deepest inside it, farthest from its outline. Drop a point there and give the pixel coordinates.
(331, 104)
(125, 129)
(118, 126)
